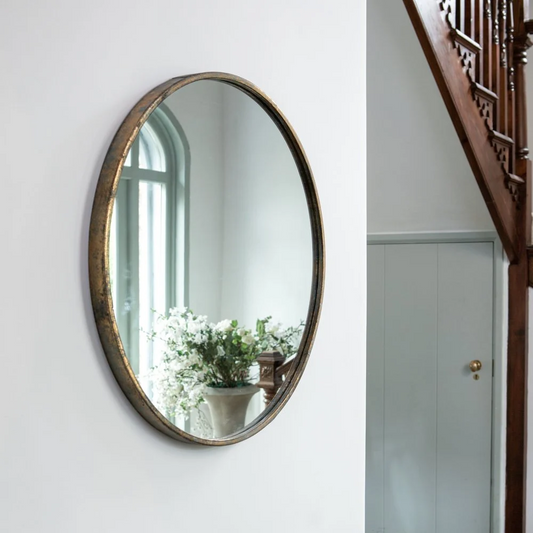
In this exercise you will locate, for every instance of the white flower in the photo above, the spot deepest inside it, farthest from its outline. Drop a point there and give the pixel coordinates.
(273, 328)
(194, 327)
(220, 351)
(200, 338)
(248, 339)
(241, 332)
(282, 334)
(224, 325)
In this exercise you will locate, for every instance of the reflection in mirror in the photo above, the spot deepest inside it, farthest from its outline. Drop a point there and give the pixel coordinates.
(210, 256)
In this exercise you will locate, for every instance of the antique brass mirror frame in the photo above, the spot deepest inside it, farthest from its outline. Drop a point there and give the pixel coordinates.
(99, 278)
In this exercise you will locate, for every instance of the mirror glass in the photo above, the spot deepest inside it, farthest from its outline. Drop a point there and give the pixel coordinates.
(211, 258)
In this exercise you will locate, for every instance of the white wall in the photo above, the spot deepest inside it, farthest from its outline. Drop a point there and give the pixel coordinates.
(267, 251)
(198, 109)
(418, 175)
(74, 455)
(250, 248)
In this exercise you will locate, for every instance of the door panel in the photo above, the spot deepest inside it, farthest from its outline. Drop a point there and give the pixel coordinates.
(410, 399)
(465, 308)
(428, 420)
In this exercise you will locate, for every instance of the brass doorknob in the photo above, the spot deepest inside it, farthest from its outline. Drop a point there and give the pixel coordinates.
(475, 366)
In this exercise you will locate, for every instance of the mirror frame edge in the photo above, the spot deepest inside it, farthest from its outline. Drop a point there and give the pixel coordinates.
(99, 281)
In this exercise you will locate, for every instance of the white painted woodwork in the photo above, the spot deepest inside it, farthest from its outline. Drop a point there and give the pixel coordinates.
(430, 312)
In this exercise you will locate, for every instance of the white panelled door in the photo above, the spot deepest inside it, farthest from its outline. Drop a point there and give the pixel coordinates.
(430, 313)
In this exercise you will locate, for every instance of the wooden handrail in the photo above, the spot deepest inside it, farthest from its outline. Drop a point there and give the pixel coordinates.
(285, 367)
(272, 368)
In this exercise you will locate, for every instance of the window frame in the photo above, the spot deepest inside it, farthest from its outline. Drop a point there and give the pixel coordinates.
(175, 147)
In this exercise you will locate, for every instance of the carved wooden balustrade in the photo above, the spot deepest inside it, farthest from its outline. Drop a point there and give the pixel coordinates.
(272, 367)
(491, 39)
(477, 51)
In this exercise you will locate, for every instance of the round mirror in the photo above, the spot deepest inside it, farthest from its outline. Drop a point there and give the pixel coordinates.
(206, 258)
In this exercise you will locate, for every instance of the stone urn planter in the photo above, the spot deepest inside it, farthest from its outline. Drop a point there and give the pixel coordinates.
(228, 408)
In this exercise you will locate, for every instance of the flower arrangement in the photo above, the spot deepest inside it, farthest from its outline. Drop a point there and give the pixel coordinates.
(197, 354)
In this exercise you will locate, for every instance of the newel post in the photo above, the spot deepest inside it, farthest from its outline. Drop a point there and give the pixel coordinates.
(269, 379)
(521, 46)
(522, 166)
(517, 349)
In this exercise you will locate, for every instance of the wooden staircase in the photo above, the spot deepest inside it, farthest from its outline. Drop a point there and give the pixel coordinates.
(477, 51)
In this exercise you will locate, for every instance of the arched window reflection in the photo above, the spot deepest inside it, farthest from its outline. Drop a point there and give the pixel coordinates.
(149, 234)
